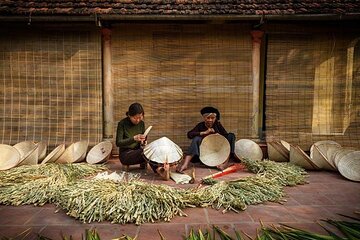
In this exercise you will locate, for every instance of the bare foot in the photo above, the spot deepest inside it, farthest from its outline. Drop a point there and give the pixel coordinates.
(184, 165)
(164, 171)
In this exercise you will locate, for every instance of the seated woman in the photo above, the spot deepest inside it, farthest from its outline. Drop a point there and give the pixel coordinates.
(210, 125)
(130, 138)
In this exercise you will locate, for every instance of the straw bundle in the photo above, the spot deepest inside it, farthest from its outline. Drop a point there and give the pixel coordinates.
(54, 154)
(214, 150)
(76, 152)
(99, 153)
(300, 158)
(246, 148)
(31, 158)
(24, 148)
(349, 166)
(9, 157)
(42, 146)
(278, 152)
(163, 149)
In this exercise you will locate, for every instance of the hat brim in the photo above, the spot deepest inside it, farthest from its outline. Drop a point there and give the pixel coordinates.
(214, 150)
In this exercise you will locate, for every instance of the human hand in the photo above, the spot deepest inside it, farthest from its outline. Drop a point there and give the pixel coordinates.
(208, 131)
(139, 138)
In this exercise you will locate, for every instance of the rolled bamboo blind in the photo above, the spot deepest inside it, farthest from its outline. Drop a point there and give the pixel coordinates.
(175, 70)
(312, 88)
(50, 86)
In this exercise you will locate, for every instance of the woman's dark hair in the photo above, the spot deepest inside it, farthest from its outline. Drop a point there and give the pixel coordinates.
(134, 109)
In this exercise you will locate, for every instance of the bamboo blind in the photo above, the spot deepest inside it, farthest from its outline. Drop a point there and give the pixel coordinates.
(313, 88)
(175, 70)
(50, 86)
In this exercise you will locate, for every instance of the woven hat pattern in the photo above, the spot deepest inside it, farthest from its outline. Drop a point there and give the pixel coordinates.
(74, 153)
(214, 150)
(9, 157)
(246, 148)
(99, 153)
(163, 150)
(277, 152)
(349, 166)
(54, 154)
(300, 158)
(24, 148)
(31, 158)
(42, 147)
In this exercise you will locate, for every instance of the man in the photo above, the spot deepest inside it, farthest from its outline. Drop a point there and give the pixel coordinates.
(210, 125)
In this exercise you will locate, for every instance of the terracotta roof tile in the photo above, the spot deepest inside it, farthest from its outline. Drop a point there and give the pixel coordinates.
(177, 7)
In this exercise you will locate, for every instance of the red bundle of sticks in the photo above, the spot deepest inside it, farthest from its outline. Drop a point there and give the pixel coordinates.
(234, 168)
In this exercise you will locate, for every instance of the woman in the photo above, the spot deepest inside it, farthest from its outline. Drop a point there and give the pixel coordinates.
(130, 138)
(210, 125)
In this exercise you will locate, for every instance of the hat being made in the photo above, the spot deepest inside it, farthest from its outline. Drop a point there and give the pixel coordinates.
(206, 110)
(214, 150)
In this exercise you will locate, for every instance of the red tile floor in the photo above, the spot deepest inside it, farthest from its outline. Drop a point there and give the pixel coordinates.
(327, 195)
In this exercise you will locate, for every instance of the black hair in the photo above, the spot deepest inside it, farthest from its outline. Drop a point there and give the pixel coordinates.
(134, 109)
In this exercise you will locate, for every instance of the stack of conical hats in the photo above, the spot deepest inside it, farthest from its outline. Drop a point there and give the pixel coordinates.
(278, 150)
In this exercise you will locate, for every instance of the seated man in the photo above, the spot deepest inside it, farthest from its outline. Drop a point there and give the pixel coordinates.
(210, 125)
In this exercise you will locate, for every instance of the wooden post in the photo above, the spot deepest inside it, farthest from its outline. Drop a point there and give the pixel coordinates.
(256, 53)
(108, 93)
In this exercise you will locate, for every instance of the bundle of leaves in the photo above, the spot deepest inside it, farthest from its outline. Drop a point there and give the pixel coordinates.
(38, 184)
(125, 202)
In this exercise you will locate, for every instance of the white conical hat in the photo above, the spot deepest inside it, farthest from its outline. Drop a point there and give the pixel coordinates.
(99, 153)
(278, 152)
(349, 166)
(320, 159)
(341, 153)
(9, 157)
(42, 146)
(214, 150)
(323, 145)
(24, 148)
(163, 150)
(31, 158)
(331, 152)
(300, 158)
(76, 152)
(248, 149)
(54, 154)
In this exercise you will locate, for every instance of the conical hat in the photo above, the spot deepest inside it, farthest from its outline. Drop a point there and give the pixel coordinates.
(331, 153)
(323, 145)
(42, 150)
(214, 150)
(24, 148)
(340, 154)
(99, 153)
(76, 152)
(248, 149)
(277, 152)
(300, 158)
(163, 150)
(54, 154)
(9, 157)
(31, 158)
(319, 159)
(286, 145)
(349, 166)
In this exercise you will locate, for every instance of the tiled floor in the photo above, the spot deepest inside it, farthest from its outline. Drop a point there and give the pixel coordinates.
(326, 195)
